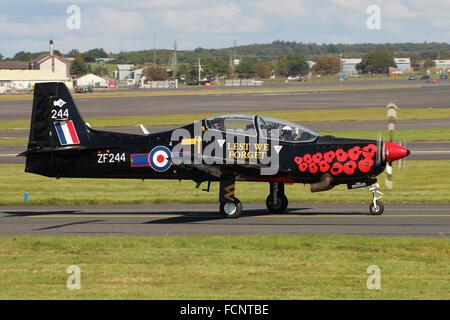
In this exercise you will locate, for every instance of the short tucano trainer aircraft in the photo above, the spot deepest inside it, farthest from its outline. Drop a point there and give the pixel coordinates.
(223, 149)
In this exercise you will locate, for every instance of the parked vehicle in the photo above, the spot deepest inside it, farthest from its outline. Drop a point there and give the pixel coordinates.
(412, 78)
(84, 89)
(443, 77)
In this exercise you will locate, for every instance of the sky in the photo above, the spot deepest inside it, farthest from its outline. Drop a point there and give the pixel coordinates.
(117, 25)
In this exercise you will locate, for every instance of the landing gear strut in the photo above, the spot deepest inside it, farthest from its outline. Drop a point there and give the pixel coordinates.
(376, 208)
(230, 206)
(277, 201)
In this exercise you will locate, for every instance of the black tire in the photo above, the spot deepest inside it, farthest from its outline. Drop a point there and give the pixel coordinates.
(280, 206)
(374, 211)
(228, 212)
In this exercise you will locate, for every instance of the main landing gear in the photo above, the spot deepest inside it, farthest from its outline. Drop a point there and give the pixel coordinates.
(376, 208)
(277, 201)
(231, 207)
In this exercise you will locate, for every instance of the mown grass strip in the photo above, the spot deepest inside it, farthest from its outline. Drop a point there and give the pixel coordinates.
(418, 182)
(304, 115)
(243, 267)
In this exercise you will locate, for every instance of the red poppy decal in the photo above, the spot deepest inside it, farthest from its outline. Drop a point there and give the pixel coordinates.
(341, 155)
(324, 166)
(338, 161)
(313, 168)
(369, 151)
(354, 153)
(329, 156)
(317, 157)
(303, 167)
(350, 167)
(336, 169)
(307, 158)
(365, 165)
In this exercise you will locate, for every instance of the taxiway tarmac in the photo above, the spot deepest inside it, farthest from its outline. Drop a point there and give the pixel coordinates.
(181, 219)
(423, 97)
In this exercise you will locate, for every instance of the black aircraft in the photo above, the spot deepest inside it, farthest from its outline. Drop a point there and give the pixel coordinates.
(222, 149)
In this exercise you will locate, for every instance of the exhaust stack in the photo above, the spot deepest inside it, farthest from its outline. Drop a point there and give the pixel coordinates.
(325, 184)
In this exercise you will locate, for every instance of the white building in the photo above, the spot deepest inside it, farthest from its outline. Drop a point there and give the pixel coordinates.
(403, 64)
(23, 80)
(442, 64)
(51, 62)
(349, 65)
(124, 72)
(92, 80)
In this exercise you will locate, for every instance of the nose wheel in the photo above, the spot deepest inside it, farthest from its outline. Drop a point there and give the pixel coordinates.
(376, 208)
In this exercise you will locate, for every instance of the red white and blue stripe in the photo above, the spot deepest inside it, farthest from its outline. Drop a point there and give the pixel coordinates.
(66, 133)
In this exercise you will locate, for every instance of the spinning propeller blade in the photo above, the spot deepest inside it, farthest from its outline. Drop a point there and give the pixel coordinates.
(393, 151)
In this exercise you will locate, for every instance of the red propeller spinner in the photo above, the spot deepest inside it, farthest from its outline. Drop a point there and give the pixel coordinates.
(393, 152)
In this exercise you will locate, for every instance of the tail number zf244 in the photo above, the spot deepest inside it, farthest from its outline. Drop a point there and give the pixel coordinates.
(110, 157)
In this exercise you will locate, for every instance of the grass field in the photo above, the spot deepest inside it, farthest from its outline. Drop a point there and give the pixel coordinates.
(418, 182)
(255, 267)
(301, 116)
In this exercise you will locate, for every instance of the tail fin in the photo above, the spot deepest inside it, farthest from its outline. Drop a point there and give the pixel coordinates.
(55, 120)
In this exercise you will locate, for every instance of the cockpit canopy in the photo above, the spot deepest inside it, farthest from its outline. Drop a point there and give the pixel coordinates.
(267, 127)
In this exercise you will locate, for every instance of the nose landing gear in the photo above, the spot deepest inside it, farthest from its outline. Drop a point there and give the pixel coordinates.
(376, 208)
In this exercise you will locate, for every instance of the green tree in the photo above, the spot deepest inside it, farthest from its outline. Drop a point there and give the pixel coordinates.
(281, 67)
(292, 64)
(79, 66)
(246, 69)
(327, 65)
(100, 70)
(377, 62)
(216, 66)
(93, 54)
(156, 73)
(72, 53)
(23, 56)
(1, 56)
(262, 70)
(429, 64)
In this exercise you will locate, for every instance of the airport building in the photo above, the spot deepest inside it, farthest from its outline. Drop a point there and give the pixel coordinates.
(92, 80)
(349, 65)
(51, 62)
(403, 65)
(124, 72)
(442, 64)
(15, 81)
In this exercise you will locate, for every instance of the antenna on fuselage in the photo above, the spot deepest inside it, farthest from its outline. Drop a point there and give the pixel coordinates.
(144, 129)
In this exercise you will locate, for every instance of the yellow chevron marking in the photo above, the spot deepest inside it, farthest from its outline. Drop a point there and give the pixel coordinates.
(229, 192)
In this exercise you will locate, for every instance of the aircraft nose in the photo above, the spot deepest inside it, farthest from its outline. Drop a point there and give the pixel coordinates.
(393, 152)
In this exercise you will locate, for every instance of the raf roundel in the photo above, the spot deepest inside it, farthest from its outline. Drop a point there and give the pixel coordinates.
(160, 159)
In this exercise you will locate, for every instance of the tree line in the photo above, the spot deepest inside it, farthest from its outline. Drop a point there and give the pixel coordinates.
(282, 58)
